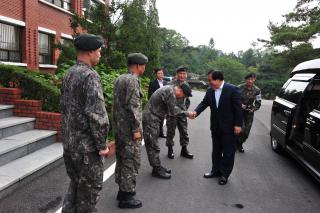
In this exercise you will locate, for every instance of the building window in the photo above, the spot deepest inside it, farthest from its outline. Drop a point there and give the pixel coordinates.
(45, 48)
(88, 6)
(65, 4)
(66, 42)
(10, 43)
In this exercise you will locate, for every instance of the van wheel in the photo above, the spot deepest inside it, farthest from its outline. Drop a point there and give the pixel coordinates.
(275, 146)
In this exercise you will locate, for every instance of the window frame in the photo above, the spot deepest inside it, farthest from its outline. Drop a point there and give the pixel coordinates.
(8, 51)
(64, 4)
(291, 96)
(50, 48)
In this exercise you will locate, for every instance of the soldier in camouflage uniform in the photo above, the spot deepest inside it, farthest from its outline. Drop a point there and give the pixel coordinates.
(179, 121)
(127, 123)
(84, 127)
(161, 103)
(251, 102)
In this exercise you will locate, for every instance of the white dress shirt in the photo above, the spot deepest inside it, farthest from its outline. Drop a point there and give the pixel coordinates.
(160, 83)
(217, 94)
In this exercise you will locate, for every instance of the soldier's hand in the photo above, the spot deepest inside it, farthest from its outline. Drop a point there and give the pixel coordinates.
(192, 115)
(243, 106)
(137, 136)
(104, 153)
(237, 130)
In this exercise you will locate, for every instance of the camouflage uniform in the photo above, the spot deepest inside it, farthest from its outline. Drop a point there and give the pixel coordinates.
(127, 119)
(85, 128)
(251, 98)
(161, 103)
(179, 121)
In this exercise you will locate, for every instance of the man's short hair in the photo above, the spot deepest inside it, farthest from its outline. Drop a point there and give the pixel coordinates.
(209, 72)
(157, 70)
(217, 75)
(250, 75)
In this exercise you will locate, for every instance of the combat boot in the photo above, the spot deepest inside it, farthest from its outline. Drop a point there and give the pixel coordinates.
(166, 170)
(185, 153)
(121, 194)
(128, 201)
(170, 152)
(161, 172)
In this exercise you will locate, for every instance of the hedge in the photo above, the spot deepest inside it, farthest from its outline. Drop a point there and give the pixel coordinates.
(35, 85)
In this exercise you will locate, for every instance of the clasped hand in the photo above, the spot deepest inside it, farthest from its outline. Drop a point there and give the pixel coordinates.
(192, 115)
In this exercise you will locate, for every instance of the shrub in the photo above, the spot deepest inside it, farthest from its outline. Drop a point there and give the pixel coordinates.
(35, 85)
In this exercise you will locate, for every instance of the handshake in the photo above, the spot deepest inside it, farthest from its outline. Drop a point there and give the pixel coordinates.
(248, 108)
(192, 115)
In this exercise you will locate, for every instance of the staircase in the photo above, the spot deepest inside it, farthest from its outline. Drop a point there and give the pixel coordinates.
(25, 152)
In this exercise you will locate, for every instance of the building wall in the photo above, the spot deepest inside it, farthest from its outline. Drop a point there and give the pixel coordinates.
(12, 8)
(35, 14)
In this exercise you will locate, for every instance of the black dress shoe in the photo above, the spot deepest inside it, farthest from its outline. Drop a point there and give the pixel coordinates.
(185, 153)
(162, 136)
(170, 152)
(212, 175)
(240, 149)
(160, 172)
(222, 180)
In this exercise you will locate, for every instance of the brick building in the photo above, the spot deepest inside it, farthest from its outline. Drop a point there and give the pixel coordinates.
(30, 28)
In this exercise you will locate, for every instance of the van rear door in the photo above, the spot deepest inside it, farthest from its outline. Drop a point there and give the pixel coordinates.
(311, 142)
(284, 108)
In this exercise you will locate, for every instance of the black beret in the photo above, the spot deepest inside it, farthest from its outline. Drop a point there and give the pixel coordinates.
(186, 89)
(88, 42)
(181, 68)
(137, 58)
(250, 75)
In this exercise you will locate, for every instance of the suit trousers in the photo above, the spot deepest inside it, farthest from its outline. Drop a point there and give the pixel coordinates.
(223, 152)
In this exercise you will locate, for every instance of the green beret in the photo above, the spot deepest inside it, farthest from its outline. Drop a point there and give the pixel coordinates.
(137, 58)
(88, 42)
(186, 89)
(181, 68)
(250, 75)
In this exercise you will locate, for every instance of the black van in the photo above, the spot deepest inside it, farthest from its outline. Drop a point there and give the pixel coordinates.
(295, 117)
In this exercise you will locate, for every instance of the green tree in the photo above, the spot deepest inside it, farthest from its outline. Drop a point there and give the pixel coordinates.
(300, 27)
(100, 20)
(233, 70)
(153, 39)
(132, 31)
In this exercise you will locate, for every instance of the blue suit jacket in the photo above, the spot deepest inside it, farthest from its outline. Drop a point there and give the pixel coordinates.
(228, 114)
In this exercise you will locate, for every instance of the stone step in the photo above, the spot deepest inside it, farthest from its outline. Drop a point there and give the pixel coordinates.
(6, 111)
(22, 144)
(14, 125)
(22, 170)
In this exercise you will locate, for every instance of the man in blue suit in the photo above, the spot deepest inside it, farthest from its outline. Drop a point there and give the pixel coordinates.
(226, 121)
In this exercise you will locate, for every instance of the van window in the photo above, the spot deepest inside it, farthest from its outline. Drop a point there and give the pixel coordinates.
(293, 91)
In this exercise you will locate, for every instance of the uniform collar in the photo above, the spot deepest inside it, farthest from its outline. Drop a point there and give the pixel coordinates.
(249, 88)
(83, 63)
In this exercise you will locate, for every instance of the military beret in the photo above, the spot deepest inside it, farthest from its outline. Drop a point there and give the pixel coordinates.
(181, 68)
(186, 89)
(250, 75)
(137, 58)
(88, 42)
